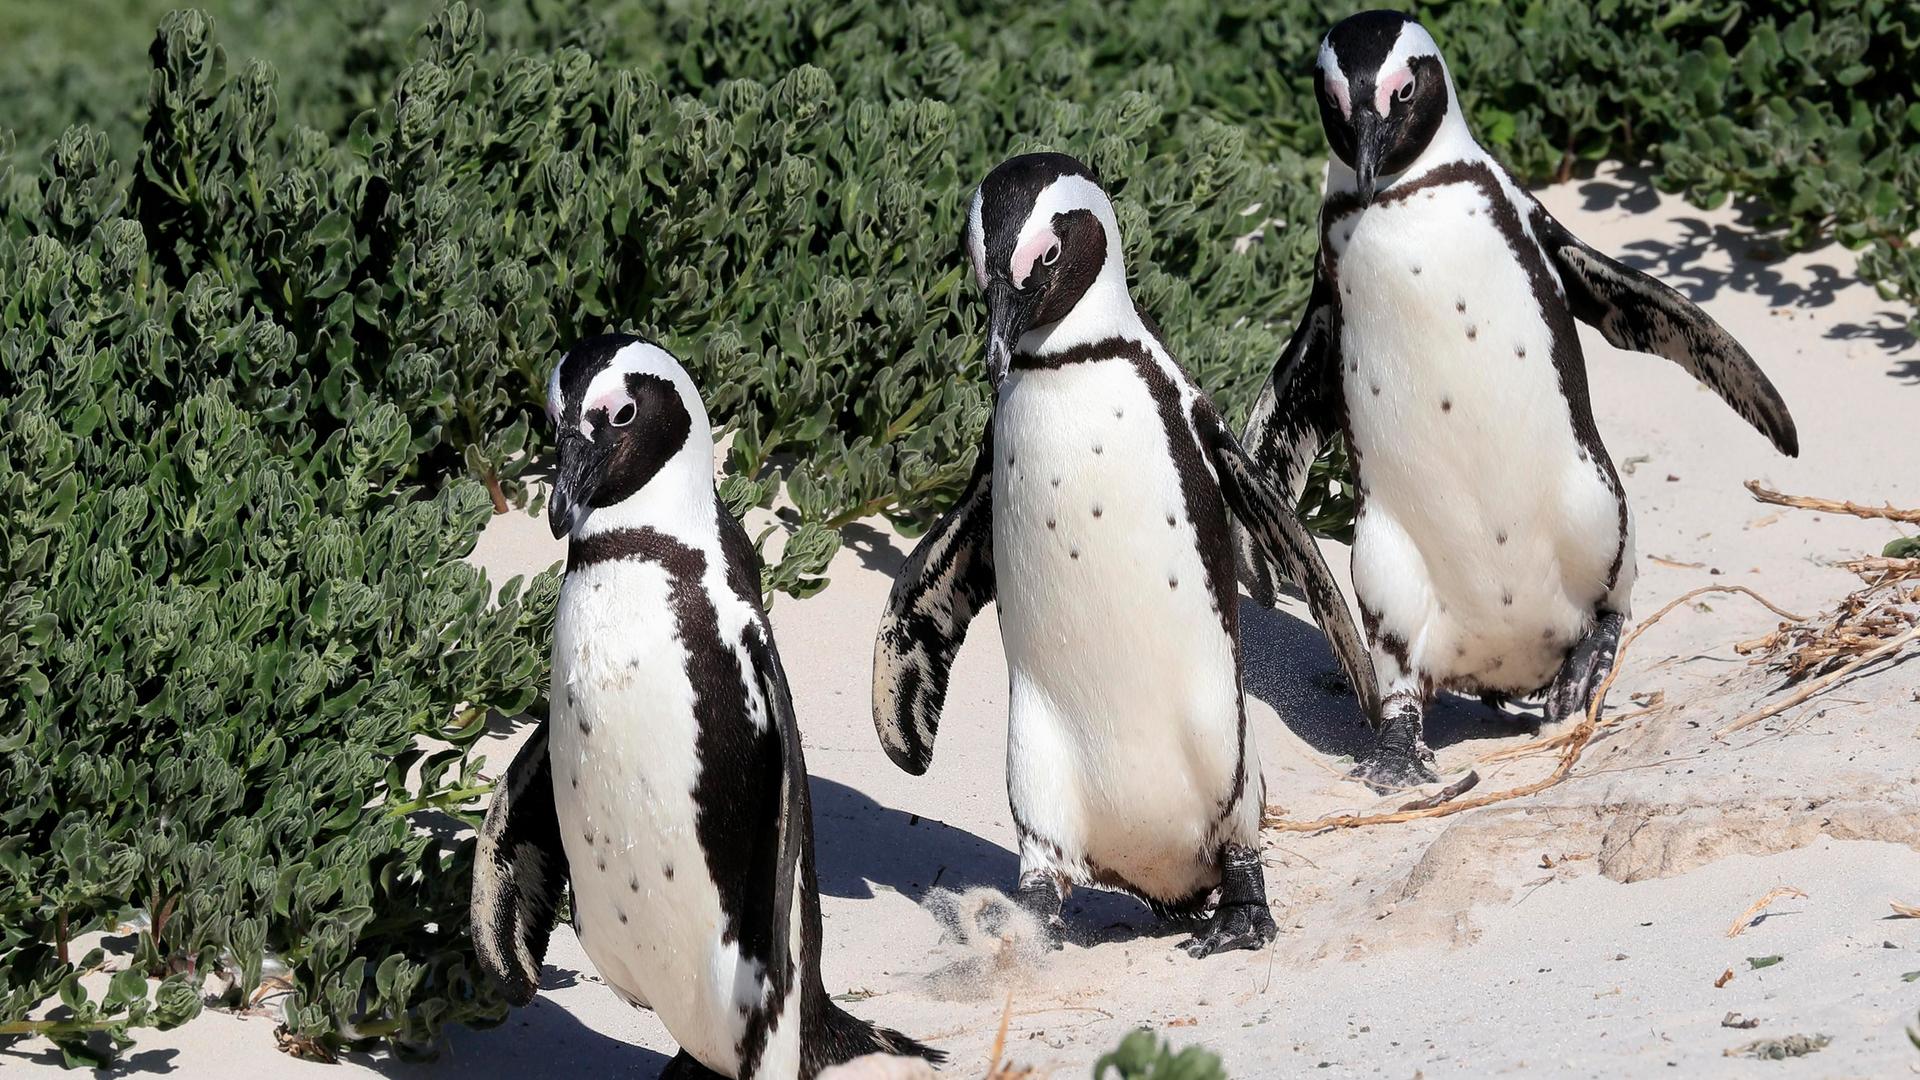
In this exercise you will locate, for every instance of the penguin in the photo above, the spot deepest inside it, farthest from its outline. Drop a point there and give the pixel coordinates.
(667, 785)
(1097, 518)
(1493, 541)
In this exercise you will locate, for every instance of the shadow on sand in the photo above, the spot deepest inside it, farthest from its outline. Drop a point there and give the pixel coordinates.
(1754, 249)
(1290, 666)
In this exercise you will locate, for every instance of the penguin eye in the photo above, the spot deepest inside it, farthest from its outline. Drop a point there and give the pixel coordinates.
(1405, 93)
(624, 416)
(1052, 256)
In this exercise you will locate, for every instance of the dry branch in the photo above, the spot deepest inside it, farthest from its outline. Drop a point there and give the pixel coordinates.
(1887, 648)
(1886, 511)
(1746, 917)
(1576, 739)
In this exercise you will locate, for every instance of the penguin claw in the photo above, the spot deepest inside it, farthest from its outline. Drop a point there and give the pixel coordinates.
(1389, 771)
(1233, 926)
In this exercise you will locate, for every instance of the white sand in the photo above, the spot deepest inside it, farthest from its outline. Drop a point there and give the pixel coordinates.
(1439, 948)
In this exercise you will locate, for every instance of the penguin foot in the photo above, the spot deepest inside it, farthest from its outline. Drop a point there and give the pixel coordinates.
(1399, 758)
(1039, 895)
(1587, 665)
(1387, 771)
(1233, 926)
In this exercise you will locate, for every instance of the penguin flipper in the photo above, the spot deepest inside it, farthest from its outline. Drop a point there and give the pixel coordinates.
(1637, 312)
(792, 829)
(519, 872)
(948, 578)
(1264, 512)
(1297, 412)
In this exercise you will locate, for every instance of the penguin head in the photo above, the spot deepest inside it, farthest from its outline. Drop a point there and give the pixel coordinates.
(1384, 94)
(1041, 235)
(623, 410)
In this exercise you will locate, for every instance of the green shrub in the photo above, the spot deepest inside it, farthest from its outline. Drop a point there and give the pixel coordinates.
(240, 648)
(273, 343)
(1142, 1055)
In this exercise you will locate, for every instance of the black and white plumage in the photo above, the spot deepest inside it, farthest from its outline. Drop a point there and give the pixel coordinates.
(667, 785)
(1493, 549)
(1097, 518)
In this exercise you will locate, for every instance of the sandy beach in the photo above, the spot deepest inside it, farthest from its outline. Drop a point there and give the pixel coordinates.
(1579, 932)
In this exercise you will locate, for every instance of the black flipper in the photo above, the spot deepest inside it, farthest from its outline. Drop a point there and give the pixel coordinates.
(947, 579)
(791, 830)
(1297, 412)
(1265, 514)
(519, 872)
(1636, 312)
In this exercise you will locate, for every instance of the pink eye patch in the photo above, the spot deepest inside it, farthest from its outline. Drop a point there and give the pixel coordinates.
(1389, 86)
(1029, 253)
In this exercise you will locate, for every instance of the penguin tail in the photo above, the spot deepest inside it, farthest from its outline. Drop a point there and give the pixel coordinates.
(851, 1037)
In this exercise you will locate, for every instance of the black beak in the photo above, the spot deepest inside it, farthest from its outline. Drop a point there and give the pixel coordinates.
(1008, 312)
(1369, 142)
(582, 465)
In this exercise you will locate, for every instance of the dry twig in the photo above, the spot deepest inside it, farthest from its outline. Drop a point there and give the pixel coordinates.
(1576, 739)
(1887, 648)
(1885, 511)
(1746, 917)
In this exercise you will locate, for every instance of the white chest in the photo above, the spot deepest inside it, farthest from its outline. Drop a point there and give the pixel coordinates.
(1489, 531)
(624, 742)
(1124, 713)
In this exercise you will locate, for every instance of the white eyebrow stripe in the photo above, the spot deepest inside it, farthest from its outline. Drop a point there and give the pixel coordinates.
(1336, 80)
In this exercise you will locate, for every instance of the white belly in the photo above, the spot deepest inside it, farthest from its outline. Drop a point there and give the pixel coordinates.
(623, 751)
(1488, 534)
(1124, 722)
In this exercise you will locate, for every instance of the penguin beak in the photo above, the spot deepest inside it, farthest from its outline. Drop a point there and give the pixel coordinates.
(1369, 141)
(582, 466)
(1008, 312)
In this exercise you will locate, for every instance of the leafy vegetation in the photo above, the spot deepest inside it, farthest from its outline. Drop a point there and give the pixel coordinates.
(1142, 1055)
(274, 338)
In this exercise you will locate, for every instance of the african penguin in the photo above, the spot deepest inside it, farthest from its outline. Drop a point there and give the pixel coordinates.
(1097, 517)
(1493, 549)
(667, 783)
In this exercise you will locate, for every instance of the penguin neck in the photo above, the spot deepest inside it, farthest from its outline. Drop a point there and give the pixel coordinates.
(678, 500)
(1104, 311)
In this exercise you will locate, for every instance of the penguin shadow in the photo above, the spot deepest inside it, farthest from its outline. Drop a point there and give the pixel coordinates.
(539, 1041)
(861, 846)
(1289, 665)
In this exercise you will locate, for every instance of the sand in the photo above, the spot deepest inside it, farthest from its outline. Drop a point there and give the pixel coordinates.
(1579, 932)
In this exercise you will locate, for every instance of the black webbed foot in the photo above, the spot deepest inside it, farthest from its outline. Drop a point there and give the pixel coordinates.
(1242, 920)
(1587, 665)
(1039, 894)
(1399, 758)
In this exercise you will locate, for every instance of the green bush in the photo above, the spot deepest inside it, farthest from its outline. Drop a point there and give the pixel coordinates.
(273, 341)
(241, 647)
(1142, 1055)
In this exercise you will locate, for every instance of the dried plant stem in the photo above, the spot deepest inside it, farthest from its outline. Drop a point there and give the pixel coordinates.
(1000, 1038)
(1887, 648)
(1885, 511)
(1746, 917)
(1576, 739)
